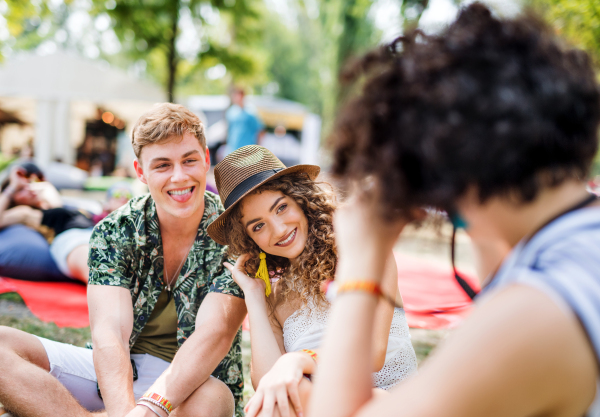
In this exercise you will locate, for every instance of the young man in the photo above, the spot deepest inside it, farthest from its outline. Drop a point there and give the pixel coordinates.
(156, 281)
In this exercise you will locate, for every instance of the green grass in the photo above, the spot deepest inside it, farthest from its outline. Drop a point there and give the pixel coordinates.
(11, 296)
(77, 337)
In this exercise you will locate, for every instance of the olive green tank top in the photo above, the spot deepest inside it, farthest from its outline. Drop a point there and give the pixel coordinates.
(159, 335)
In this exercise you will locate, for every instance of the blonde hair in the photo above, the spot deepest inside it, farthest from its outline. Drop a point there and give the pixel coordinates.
(162, 122)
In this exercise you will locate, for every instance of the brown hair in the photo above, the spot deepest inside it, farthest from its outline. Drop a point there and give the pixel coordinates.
(162, 122)
(317, 262)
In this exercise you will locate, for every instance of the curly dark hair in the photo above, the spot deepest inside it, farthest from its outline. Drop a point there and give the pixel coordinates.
(317, 262)
(498, 104)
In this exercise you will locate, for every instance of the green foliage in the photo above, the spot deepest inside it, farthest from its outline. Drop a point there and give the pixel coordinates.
(576, 20)
(149, 30)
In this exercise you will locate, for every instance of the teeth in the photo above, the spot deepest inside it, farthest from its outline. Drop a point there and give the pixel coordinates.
(180, 192)
(290, 237)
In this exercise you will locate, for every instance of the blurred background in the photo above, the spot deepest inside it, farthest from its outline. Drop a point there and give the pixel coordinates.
(76, 74)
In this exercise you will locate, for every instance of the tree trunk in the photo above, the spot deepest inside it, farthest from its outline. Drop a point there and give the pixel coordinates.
(172, 59)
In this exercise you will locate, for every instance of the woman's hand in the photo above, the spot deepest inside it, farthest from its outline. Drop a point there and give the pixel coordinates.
(249, 285)
(363, 238)
(276, 386)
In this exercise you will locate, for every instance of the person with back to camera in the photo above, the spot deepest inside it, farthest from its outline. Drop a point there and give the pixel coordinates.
(278, 222)
(496, 122)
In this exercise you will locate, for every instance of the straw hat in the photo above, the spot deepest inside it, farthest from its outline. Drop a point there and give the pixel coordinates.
(243, 171)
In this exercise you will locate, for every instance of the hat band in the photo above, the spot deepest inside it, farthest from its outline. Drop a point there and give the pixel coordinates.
(247, 184)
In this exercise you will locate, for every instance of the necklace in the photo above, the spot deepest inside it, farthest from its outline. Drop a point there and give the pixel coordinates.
(167, 280)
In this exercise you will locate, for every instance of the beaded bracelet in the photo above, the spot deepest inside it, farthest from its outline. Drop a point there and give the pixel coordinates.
(156, 403)
(312, 354)
(161, 400)
(151, 409)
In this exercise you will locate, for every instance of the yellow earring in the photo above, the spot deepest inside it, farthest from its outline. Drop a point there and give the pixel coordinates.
(263, 273)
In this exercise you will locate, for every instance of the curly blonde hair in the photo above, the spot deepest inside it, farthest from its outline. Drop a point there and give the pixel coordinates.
(318, 260)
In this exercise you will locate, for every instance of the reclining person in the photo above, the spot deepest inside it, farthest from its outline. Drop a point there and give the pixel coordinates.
(27, 199)
(156, 281)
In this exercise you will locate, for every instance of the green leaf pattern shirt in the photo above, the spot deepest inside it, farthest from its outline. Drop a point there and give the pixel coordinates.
(126, 251)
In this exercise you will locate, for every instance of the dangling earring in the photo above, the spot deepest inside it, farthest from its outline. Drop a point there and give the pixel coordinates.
(263, 273)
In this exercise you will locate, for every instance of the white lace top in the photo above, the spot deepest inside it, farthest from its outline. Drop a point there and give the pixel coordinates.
(304, 329)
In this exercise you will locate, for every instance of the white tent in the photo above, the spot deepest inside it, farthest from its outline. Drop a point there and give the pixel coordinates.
(66, 89)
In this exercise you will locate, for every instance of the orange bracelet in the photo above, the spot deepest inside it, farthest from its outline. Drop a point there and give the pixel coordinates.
(162, 401)
(364, 286)
(312, 353)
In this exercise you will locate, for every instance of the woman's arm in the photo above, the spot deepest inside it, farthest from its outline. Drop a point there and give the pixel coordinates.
(518, 355)
(265, 347)
(344, 383)
(384, 313)
(22, 214)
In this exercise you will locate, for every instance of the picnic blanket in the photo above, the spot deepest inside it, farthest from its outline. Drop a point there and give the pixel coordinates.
(63, 303)
(432, 297)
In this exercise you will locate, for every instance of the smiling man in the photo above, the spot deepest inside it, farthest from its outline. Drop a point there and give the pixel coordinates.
(156, 281)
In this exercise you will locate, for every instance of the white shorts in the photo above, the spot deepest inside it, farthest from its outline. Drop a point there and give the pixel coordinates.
(74, 367)
(64, 243)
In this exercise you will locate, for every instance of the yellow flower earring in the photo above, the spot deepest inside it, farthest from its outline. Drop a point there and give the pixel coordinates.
(263, 273)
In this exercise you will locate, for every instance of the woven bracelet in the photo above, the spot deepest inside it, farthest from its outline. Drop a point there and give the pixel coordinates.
(161, 400)
(312, 354)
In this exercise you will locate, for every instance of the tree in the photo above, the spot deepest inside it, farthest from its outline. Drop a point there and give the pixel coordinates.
(149, 30)
(576, 20)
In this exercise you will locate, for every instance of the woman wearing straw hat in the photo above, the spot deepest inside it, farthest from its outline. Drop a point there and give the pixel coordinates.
(278, 222)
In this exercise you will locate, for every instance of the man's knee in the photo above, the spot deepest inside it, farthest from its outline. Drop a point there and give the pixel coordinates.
(23, 345)
(211, 399)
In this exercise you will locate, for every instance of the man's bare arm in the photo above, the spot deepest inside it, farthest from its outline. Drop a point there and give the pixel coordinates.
(111, 322)
(218, 320)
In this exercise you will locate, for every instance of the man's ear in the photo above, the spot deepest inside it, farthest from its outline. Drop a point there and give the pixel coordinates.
(139, 171)
(207, 159)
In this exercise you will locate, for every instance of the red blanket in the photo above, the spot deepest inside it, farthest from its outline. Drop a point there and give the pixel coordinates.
(63, 303)
(432, 297)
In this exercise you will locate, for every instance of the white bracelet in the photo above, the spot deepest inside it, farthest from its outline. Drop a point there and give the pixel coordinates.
(156, 403)
(148, 406)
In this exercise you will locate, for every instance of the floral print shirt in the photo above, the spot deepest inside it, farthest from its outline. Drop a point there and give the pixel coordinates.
(126, 251)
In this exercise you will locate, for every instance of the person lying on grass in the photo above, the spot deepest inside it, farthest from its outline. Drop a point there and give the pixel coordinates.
(278, 221)
(496, 122)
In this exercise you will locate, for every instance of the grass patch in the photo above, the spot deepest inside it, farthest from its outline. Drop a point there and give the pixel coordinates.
(12, 296)
(77, 337)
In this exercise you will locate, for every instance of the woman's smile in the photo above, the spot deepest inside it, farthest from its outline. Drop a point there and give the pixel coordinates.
(288, 239)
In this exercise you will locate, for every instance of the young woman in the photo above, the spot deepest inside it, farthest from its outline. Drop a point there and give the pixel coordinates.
(496, 122)
(281, 219)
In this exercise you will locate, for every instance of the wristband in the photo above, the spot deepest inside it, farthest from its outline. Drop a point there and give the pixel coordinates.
(333, 289)
(312, 354)
(160, 400)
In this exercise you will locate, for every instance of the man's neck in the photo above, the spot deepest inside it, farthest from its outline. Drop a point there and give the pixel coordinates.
(175, 227)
